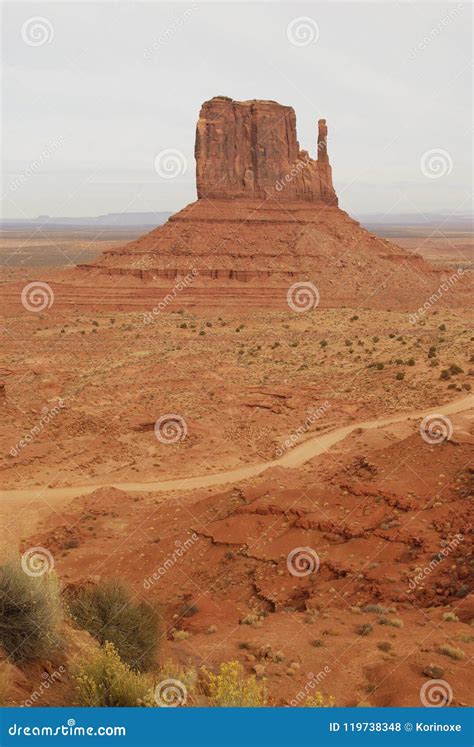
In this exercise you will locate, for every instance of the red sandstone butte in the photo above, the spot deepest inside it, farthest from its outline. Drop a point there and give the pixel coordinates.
(266, 216)
(250, 149)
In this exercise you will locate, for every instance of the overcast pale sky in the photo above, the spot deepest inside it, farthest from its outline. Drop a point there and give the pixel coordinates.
(94, 91)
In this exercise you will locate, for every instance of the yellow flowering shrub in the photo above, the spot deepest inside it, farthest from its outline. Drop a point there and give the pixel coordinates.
(232, 687)
(105, 680)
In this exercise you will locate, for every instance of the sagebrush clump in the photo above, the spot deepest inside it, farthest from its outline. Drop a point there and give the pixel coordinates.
(30, 613)
(108, 613)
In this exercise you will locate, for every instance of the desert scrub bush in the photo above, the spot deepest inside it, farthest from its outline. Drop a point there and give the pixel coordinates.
(180, 635)
(30, 613)
(105, 680)
(377, 608)
(364, 629)
(231, 687)
(454, 653)
(187, 675)
(450, 617)
(394, 622)
(255, 619)
(108, 613)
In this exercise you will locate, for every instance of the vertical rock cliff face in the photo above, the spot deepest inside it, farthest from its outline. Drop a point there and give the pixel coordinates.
(249, 149)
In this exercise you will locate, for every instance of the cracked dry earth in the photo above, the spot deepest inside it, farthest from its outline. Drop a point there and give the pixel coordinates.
(377, 508)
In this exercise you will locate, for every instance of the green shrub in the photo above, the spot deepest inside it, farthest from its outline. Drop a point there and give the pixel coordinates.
(454, 653)
(377, 608)
(394, 622)
(30, 613)
(364, 629)
(108, 613)
(105, 680)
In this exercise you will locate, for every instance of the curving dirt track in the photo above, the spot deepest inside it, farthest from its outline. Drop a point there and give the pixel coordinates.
(296, 457)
